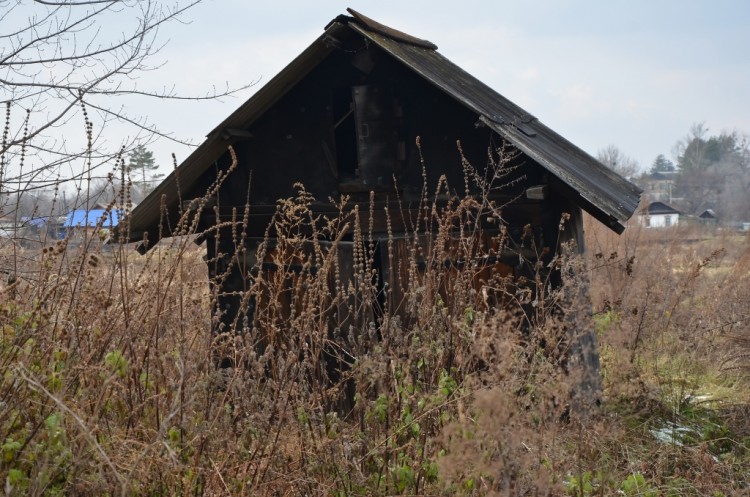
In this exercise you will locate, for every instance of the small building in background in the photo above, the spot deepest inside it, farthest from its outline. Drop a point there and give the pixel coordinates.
(91, 219)
(34, 230)
(659, 186)
(659, 215)
(708, 217)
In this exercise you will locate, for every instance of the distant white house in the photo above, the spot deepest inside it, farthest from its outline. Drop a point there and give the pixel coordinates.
(659, 215)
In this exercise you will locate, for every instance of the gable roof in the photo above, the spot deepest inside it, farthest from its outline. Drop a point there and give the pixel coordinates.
(598, 190)
(708, 214)
(655, 208)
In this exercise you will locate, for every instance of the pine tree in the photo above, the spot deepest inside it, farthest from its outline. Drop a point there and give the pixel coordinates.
(662, 164)
(142, 163)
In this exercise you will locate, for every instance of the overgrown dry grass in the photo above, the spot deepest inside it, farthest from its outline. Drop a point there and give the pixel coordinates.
(109, 382)
(672, 315)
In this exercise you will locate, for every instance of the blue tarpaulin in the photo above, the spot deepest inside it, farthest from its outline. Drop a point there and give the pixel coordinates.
(35, 222)
(82, 218)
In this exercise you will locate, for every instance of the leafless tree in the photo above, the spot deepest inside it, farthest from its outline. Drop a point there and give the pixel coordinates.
(63, 65)
(615, 159)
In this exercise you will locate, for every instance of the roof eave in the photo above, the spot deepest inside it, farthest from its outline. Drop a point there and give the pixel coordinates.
(520, 129)
(145, 217)
(608, 197)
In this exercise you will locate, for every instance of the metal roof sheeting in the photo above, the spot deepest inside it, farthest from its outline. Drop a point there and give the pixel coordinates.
(91, 218)
(598, 190)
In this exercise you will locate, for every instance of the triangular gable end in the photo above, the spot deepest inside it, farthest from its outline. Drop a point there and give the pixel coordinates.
(595, 188)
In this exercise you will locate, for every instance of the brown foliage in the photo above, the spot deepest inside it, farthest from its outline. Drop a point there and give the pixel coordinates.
(109, 382)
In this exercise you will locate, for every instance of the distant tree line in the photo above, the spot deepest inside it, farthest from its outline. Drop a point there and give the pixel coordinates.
(711, 171)
(714, 173)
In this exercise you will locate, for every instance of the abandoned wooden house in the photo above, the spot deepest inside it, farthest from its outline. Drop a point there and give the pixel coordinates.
(377, 115)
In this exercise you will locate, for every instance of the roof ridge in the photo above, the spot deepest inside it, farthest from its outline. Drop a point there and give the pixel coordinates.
(394, 34)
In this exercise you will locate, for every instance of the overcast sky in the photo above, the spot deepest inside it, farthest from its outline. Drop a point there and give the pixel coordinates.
(636, 74)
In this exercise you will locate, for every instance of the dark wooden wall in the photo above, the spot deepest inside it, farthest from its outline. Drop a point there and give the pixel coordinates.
(309, 137)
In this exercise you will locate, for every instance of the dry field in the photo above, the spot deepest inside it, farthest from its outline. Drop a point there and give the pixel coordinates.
(108, 382)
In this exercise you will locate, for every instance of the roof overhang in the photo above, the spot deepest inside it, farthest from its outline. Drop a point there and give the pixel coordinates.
(607, 196)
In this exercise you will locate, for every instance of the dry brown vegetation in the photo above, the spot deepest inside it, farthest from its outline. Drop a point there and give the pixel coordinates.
(109, 382)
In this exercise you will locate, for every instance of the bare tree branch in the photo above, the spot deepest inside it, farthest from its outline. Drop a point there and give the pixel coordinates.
(65, 59)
